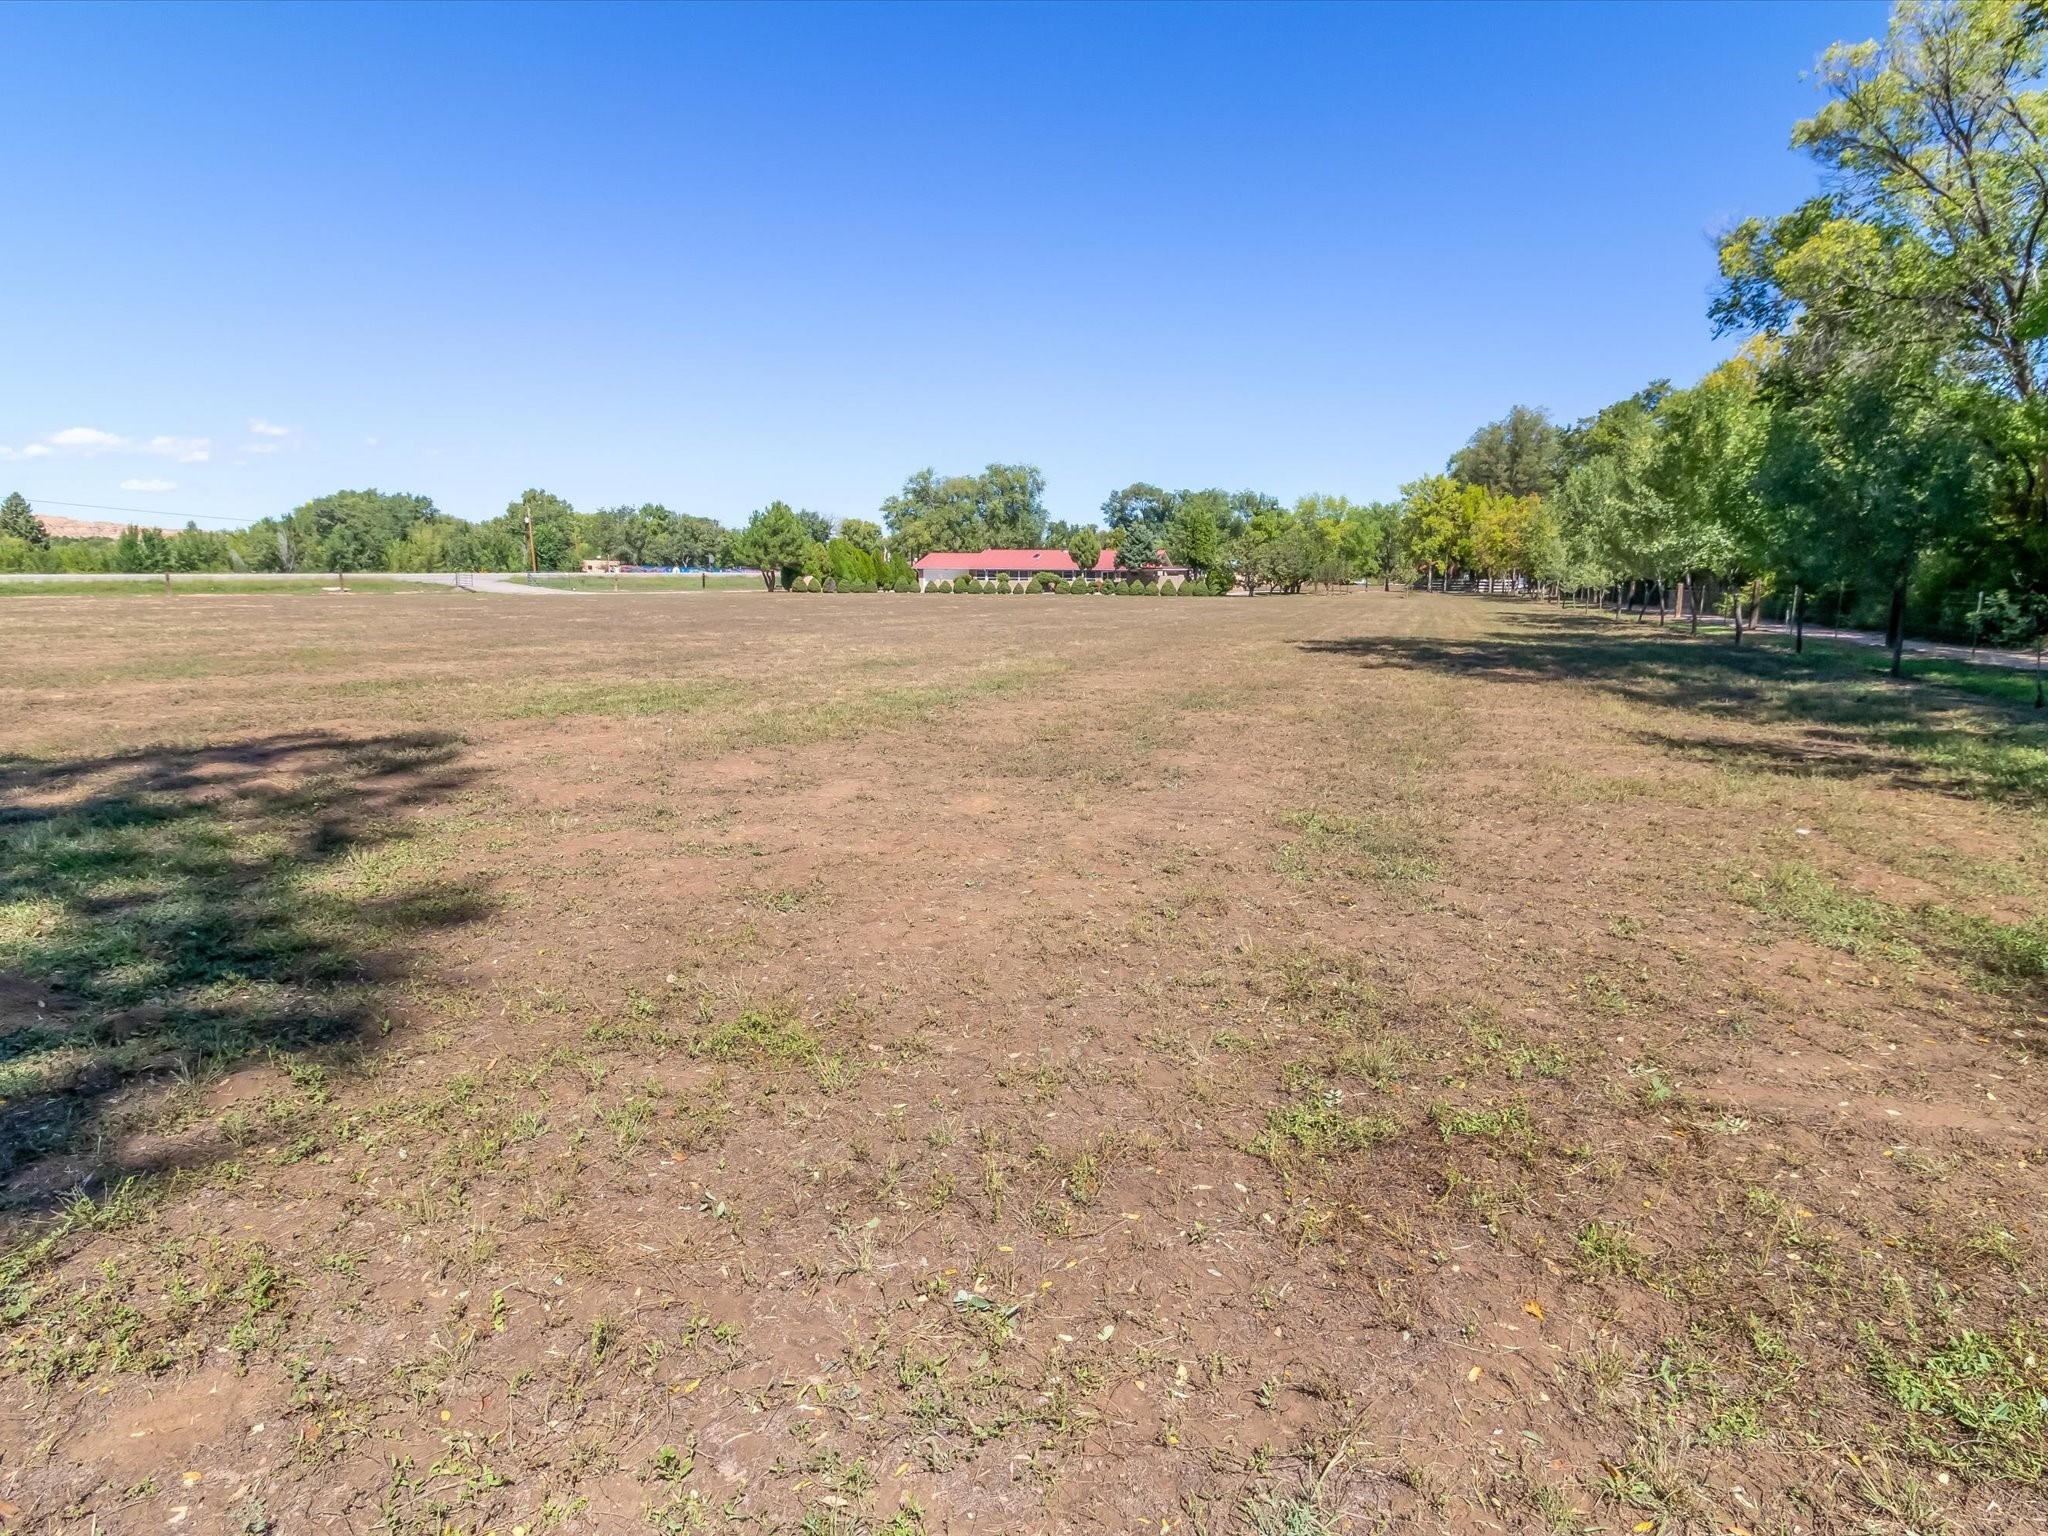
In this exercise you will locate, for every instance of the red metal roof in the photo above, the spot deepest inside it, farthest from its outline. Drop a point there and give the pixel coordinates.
(1008, 560)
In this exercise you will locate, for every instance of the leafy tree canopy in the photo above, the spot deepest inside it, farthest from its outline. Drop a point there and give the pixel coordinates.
(19, 521)
(775, 542)
(1522, 454)
(1003, 507)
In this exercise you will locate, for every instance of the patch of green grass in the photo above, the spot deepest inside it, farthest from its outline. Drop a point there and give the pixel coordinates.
(1322, 1129)
(879, 708)
(628, 700)
(1802, 896)
(775, 1032)
(212, 586)
(1977, 1405)
(190, 910)
(639, 583)
(1382, 848)
(1511, 1119)
(1981, 679)
(1609, 1250)
(2008, 952)
(1271, 1514)
(2008, 766)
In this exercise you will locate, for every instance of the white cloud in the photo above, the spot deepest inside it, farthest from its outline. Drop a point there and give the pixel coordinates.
(369, 442)
(264, 428)
(84, 439)
(90, 442)
(259, 447)
(149, 485)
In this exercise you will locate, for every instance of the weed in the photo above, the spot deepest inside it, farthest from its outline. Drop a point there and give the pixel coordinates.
(775, 1033)
(1320, 1130)
(1607, 1249)
(1975, 1405)
(1804, 897)
(1512, 1119)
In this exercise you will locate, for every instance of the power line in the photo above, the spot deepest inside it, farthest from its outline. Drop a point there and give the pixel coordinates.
(94, 506)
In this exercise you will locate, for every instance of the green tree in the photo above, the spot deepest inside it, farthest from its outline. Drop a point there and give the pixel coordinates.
(1923, 260)
(1522, 454)
(775, 543)
(1136, 518)
(19, 521)
(1002, 507)
(352, 546)
(1437, 514)
(1371, 540)
(1869, 463)
(1275, 550)
(1244, 506)
(1084, 548)
(554, 530)
(1194, 529)
(366, 522)
(864, 536)
(1709, 442)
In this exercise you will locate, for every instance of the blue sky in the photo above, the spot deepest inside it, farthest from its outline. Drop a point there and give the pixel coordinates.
(711, 257)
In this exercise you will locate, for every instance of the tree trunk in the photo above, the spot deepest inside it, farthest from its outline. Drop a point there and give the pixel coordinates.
(1798, 619)
(1895, 625)
(1738, 615)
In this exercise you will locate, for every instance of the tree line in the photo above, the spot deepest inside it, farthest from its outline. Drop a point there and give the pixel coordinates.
(1877, 447)
(1229, 538)
(373, 530)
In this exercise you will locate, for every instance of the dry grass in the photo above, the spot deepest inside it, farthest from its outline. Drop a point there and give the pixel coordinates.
(847, 1064)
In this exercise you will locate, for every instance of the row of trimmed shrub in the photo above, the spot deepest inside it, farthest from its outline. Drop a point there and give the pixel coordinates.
(812, 584)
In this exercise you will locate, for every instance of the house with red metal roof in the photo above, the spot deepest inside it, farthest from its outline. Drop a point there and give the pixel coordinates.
(1023, 564)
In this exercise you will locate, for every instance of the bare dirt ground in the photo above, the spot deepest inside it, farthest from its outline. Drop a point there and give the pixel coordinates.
(1037, 1064)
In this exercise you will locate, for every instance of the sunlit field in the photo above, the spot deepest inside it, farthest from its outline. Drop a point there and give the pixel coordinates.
(893, 1064)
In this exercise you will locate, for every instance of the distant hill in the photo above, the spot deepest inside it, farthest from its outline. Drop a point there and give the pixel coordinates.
(77, 528)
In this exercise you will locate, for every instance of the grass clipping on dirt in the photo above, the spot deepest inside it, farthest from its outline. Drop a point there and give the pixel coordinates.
(848, 1065)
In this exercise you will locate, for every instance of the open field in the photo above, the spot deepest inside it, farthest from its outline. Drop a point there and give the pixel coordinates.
(1346, 1063)
(190, 583)
(639, 583)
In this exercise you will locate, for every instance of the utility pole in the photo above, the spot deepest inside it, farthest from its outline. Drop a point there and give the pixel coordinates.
(532, 564)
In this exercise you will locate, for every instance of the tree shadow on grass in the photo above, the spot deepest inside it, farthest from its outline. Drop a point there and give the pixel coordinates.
(175, 913)
(1850, 723)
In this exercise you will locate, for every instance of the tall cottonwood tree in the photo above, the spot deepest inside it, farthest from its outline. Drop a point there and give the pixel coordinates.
(1926, 251)
(1522, 454)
